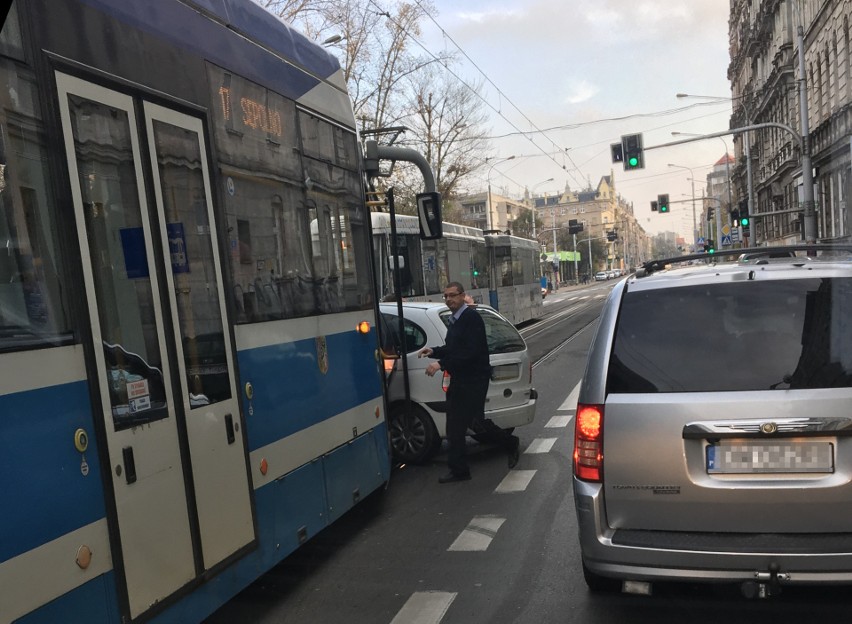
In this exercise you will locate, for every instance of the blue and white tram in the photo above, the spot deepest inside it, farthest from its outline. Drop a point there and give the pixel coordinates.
(515, 272)
(500, 270)
(425, 266)
(184, 397)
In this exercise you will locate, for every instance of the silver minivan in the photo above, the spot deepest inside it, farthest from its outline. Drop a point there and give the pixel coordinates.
(713, 432)
(416, 431)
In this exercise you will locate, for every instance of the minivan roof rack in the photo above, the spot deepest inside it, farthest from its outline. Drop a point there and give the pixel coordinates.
(747, 254)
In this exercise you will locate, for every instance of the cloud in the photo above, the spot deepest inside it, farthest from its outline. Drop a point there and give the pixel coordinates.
(599, 16)
(581, 91)
(492, 15)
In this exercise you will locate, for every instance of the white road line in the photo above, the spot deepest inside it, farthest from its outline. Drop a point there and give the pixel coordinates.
(478, 534)
(515, 481)
(540, 445)
(570, 402)
(558, 421)
(425, 608)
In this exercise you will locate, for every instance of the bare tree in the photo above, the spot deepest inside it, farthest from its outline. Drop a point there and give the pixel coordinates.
(447, 121)
(392, 82)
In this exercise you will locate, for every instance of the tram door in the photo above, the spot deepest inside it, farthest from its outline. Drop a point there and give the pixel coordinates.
(174, 437)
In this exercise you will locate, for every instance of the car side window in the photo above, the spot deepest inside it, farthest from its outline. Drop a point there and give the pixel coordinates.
(415, 337)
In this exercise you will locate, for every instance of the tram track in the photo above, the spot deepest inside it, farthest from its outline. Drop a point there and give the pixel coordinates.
(563, 343)
(549, 321)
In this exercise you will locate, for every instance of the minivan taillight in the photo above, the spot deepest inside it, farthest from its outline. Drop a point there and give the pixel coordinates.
(588, 442)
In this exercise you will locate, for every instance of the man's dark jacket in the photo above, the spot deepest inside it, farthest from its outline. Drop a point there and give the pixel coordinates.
(465, 354)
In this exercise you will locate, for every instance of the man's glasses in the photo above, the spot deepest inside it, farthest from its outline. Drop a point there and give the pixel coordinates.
(448, 295)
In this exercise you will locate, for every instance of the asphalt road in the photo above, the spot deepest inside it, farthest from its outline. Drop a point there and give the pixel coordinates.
(499, 548)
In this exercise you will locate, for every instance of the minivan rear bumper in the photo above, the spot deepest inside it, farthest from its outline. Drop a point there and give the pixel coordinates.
(706, 557)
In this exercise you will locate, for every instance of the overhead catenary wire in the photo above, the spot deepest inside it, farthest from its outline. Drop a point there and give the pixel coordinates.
(486, 102)
(537, 131)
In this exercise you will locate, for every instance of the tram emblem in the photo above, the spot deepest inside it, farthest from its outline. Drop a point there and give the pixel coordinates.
(322, 354)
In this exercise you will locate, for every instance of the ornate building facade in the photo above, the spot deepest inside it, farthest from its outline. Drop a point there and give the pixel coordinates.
(765, 75)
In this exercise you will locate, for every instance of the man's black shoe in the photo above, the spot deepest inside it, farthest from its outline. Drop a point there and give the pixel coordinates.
(514, 452)
(450, 478)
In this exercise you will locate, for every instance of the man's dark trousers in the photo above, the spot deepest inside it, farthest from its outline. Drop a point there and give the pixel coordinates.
(465, 402)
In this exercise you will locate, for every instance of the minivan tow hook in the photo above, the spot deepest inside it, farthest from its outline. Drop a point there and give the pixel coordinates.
(766, 584)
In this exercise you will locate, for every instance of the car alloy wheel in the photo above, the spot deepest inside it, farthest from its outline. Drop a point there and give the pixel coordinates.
(413, 434)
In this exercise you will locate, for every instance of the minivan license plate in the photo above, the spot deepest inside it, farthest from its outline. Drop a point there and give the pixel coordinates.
(780, 456)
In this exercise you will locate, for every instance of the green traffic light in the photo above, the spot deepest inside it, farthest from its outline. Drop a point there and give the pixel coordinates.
(633, 161)
(744, 222)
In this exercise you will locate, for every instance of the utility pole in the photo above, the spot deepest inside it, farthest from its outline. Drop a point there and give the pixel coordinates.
(555, 252)
(576, 273)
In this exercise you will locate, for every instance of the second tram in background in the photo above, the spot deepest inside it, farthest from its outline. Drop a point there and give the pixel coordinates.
(500, 270)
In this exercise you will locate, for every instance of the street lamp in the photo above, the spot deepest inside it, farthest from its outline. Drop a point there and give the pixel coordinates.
(694, 221)
(489, 220)
(535, 186)
(746, 147)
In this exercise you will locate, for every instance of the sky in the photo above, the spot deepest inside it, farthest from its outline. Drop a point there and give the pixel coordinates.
(587, 72)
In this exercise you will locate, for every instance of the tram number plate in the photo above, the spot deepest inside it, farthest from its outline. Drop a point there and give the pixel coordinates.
(780, 456)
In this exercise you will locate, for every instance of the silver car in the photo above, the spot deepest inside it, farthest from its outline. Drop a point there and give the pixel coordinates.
(713, 432)
(416, 433)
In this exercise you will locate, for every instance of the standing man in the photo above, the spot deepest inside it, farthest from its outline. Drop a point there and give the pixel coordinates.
(465, 358)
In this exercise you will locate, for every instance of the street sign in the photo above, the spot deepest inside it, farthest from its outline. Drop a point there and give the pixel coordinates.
(726, 240)
(700, 242)
(735, 234)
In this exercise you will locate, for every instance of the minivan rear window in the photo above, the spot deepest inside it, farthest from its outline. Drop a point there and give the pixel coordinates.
(750, 335)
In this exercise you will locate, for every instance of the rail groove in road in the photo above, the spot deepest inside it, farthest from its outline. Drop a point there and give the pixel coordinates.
(544, 358)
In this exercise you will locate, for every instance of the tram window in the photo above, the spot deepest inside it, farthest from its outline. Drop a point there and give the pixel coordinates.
(276, 283)
(480, 265)
(196, 284)
(518, 274)
(410, 277)
(503, 264)
(431, 260)
(306, 217)
(458, 259)
(33, 299)
(123, 290)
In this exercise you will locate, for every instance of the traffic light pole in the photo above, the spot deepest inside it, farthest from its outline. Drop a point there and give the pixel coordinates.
(576, 273)
(801, 139)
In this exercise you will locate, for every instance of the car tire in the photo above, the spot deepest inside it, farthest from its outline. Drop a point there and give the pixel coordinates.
(414, 438)
(598, 584)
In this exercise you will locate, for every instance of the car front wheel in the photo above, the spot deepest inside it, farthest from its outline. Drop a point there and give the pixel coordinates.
(414, 438)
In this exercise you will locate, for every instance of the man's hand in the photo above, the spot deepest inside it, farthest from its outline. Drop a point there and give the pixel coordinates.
(433, 368)
(425, 352)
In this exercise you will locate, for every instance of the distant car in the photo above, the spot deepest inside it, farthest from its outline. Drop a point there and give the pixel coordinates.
(712, 427)
(416, 434)
(601, 276)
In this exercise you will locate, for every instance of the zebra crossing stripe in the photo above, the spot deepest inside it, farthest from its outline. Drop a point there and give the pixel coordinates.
(478, 534)
(427, 607)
